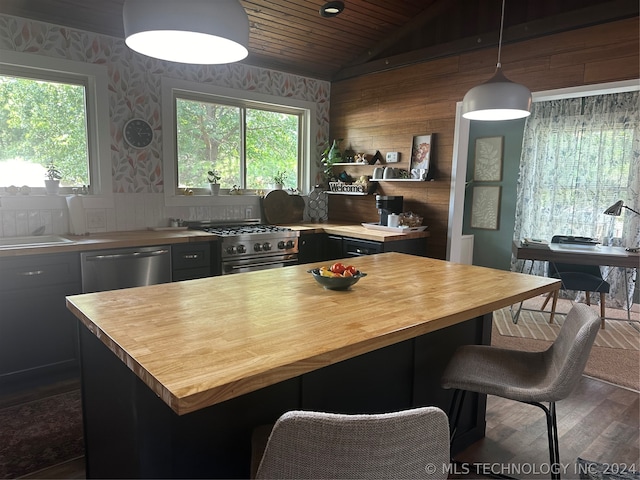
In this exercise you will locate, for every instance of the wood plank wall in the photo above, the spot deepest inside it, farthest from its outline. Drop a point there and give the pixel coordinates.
(384, 111)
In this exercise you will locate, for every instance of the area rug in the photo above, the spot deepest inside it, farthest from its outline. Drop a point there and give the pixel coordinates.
(534, 324)
(40, 434)
(600, 471)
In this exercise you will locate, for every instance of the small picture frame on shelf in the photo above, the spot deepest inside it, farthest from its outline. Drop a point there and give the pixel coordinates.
(420, 156)
(485, 207)
(488, 159)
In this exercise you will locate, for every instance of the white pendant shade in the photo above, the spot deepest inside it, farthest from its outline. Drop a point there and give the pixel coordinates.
(187, 31)
(497, 99)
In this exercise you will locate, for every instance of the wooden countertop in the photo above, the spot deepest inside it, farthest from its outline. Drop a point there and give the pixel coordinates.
(141, 238)
(98, 241)
(356, 231)
(200, 342)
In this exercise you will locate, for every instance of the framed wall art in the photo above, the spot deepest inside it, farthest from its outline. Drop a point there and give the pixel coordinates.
(488, 159)
(485, 207)
(420, 156)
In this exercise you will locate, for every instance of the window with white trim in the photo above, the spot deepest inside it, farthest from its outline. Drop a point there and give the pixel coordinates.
(247, 139)
(53, 112)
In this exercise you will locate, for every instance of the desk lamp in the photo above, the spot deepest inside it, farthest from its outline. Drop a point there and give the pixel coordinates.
(616, 209)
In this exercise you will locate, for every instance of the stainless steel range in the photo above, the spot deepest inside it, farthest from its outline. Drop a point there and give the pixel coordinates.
(250, 245)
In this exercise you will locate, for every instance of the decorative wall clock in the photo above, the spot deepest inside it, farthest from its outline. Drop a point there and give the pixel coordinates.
(138, 133)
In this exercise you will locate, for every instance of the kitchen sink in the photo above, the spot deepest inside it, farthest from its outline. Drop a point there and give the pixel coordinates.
(33, 241)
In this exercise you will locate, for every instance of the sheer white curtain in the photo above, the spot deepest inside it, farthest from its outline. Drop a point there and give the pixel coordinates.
(580, 156)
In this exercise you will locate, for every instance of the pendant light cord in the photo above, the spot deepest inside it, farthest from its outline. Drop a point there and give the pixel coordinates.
(500, 39)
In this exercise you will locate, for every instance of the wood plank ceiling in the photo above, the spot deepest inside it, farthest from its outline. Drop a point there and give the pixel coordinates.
(369, 36)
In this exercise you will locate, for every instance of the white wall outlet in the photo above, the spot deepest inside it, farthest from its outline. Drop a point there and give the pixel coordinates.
(393, 157)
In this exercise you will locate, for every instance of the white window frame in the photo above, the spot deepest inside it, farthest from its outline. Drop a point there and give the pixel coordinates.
(95, 79)
(172, 88)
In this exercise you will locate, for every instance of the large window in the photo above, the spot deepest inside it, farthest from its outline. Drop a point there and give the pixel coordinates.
(53, 111)
(580, 156)
(42, 123)
(246, 138)
(246, 146)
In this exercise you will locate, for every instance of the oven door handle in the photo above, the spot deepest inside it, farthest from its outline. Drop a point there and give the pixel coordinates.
(263, 264)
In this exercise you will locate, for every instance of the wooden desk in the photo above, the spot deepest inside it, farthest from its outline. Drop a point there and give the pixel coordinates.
(176, 376)
(602, 256)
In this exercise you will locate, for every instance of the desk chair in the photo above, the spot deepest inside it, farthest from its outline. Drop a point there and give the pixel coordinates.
(408, 444)
(528, 377)
(586, 278)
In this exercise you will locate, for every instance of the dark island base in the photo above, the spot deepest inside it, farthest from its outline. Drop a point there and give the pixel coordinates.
(131, 433)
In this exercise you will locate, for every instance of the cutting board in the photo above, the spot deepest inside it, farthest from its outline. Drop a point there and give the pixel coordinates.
(282, 208)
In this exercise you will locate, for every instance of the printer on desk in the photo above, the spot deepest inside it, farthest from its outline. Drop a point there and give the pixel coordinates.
(562, 241)
(574, 243)
(576, 240)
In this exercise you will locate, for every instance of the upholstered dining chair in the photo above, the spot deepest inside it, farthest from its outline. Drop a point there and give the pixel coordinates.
(528, 377)
(407, 444)
(585, 278)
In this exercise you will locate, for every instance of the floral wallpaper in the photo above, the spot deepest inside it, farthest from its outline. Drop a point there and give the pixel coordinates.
(135, 89)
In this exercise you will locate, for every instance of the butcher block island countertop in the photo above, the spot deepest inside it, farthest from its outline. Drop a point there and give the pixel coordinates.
(200, 342)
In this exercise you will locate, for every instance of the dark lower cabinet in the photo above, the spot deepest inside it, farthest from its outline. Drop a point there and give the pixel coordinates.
(333, 247)
(215, 442)
(193, 260)
(38, 335)
(325, 247)
(311, 247)
(353, 247)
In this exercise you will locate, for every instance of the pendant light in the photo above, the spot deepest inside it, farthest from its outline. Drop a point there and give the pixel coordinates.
(499, 98)
(187, 31)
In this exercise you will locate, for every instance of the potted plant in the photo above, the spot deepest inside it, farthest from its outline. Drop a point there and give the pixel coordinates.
(214, 177)
(52, 179)
(327, 159)
(279, 179)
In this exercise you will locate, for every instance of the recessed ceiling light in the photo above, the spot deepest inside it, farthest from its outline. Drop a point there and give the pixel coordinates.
(331, 9)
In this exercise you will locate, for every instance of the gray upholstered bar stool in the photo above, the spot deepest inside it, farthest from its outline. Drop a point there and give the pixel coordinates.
(529, 377)
(312, 445)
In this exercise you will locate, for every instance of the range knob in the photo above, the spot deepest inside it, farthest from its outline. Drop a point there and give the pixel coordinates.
(231, 250)
(257, 247)
(281, 245)
(290, 244)
(266, 246)
(242, 249)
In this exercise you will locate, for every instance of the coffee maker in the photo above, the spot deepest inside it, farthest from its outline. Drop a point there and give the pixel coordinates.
(386, 205)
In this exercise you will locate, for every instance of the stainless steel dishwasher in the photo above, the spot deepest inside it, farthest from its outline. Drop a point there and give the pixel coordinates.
(125, 267)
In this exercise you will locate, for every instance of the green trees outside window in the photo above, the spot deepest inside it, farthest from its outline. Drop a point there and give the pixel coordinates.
(42, 122)
(247, 146)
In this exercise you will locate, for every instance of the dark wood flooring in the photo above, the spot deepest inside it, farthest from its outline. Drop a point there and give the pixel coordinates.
(598, 422)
